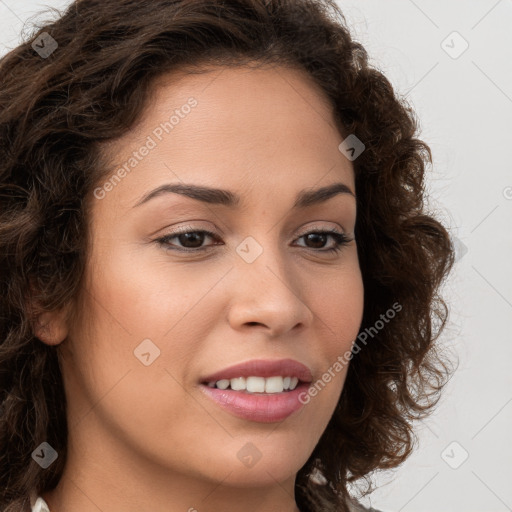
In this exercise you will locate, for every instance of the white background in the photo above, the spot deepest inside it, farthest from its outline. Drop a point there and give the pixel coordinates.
(465, 109)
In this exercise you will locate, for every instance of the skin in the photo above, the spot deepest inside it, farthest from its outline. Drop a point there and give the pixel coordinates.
(145, 437)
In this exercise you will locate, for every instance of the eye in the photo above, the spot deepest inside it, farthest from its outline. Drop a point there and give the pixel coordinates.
(319, 236)
(191, 240)
(186, 236)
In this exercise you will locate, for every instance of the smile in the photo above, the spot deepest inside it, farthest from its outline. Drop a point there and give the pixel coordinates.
(253, 384)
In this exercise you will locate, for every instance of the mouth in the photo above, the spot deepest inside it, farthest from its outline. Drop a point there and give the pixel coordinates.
(256, 384)
(258, 390)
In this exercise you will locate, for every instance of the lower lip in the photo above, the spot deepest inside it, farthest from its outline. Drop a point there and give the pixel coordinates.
(263, 408)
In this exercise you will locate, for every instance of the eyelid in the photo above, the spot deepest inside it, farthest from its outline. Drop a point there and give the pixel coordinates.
(339, 235)
(214, 233)
(322, 227)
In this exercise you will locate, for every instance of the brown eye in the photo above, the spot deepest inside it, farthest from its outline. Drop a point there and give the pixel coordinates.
(190, 241)
(318, 238)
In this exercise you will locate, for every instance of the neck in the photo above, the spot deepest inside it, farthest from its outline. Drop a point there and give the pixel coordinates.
(92, 487)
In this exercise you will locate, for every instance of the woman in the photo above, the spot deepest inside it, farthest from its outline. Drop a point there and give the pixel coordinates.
(221, 284)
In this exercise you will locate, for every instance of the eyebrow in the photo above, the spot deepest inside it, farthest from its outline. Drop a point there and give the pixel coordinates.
(304, 199)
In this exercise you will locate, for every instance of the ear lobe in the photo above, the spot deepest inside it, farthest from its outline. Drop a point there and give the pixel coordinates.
(48, 326)
(51, 328)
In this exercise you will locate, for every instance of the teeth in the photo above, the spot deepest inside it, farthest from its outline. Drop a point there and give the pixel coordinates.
(255, 384)
(223, 384)
(252, 384)
(238, 384)
(274, 385)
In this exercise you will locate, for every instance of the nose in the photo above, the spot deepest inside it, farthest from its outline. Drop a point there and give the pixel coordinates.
(268, 295)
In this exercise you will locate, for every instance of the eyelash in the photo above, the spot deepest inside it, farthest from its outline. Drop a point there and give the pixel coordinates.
(340, 238)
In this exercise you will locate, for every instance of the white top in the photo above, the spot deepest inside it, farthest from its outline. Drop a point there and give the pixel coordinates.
(39, 505)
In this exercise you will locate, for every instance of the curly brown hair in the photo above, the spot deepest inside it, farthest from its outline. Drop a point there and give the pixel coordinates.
(56, 110)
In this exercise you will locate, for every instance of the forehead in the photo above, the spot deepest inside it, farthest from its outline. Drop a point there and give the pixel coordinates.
(244, 127)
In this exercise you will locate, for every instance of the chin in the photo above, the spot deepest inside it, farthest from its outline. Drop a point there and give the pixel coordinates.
(261, 475)
(259, 463)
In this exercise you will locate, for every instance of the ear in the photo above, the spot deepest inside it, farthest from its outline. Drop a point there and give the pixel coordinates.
(51, 327)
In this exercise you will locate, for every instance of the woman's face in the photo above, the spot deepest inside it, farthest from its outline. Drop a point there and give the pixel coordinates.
(157, 320)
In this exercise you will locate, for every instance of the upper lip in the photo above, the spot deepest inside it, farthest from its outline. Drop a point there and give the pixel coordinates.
(263, 368)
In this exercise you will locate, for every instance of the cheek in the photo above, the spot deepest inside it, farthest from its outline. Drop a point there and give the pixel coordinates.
(148, 296)
(339, 305)
(139, 312)
(126, 371)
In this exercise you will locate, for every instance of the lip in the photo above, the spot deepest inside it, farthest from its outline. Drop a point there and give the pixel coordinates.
(260, 407)
(263, 368)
